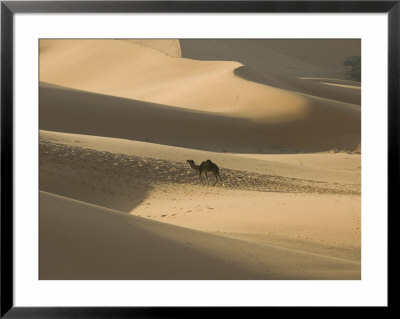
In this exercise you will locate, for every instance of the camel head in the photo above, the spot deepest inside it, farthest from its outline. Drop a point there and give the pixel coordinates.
(192, 164)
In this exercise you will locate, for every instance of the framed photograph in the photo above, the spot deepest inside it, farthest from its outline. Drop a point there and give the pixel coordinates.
(188, 158)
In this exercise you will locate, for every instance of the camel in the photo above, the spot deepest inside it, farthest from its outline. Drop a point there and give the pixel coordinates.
(204, 167)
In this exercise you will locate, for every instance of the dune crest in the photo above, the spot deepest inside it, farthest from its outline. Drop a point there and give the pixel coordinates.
(131, 69)
(170, 47)
(338, 125)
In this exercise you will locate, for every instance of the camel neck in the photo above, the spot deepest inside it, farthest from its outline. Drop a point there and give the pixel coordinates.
(194, 166)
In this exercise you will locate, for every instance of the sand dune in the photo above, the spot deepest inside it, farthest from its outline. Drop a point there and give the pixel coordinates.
(155, 182)
(331, 168)
(295, 57)
(72, 111)
(118, 120)
(124, 247)
(127, 247)
(343, 91)
(142, 71)
(267, 111)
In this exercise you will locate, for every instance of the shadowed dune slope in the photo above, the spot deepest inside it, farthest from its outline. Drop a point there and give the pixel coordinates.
(285, 64)
(323, 127)
(344, 91)
(84, 241)
(295, 57)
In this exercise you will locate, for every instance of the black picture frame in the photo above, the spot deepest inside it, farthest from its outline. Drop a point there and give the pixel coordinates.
(9, 8)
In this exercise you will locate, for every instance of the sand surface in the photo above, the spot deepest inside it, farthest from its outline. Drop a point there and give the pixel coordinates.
(166, 90)
(83, 241)
(317, 217)
(119, 119)
(73, 111)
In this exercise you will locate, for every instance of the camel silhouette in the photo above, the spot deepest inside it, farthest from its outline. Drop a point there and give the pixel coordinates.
(206, 167)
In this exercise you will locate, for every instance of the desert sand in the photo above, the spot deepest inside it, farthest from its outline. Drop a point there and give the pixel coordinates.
(119, 119)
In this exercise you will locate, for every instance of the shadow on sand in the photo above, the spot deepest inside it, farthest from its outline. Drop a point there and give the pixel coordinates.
(72, 111)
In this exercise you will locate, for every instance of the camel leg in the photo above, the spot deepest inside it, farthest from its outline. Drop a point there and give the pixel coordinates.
(216, 179)
(207, 178)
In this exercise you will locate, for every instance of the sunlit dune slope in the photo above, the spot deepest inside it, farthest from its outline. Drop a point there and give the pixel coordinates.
(132, 70)
(153, 71)
(321, 128)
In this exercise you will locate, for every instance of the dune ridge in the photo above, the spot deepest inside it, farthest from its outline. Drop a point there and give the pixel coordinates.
(72, 111)
(135, 70)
